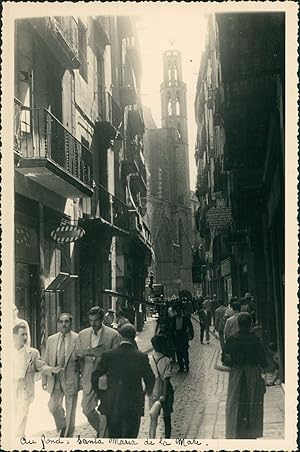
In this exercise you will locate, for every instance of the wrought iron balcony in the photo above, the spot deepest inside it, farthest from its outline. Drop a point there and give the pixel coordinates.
(113, 210)
(139, 229)
(134, 164)
(114, 114)
(202, 184)
(60, 34)
(128, 90)
(105, 210)
(133, 51)
(135, 121)
(49, 154)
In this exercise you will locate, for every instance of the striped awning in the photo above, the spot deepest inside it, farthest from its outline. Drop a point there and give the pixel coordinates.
(67, 233)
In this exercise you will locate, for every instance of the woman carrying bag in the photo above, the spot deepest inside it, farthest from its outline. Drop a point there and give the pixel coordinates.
(244, 353)
(163, 393)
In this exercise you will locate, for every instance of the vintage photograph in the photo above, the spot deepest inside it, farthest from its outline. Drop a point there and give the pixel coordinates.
(149, 224)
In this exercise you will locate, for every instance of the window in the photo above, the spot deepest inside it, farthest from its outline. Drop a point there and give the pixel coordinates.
(177, 107)
(169, 107)
(175, 73)
(179, 136)
(169, 73)
(82, 41)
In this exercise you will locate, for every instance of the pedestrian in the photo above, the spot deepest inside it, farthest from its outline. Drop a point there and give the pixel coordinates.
(204, 319)
(244, 305)
(26, 362)
(108, 319)
(16, 320)
(165, 327)
(131, 314)
(91, 343)
(214, 306)
(207, 306)
(231, 325)
(122, 320)
(276, 373)
(244, 353)
(163, 390)
(183, 332)
(60, 351)
(219, 322)
(123, 400)
(251, 303)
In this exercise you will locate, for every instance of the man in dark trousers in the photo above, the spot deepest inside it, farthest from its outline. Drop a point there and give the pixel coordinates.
(204, 319)
(183, 332)
(123, 400)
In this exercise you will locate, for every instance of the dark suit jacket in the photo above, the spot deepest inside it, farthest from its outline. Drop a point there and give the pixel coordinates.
(204, 318)
(187, 327)
(125, 367)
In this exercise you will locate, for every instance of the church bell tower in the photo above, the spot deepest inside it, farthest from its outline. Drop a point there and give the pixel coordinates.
(174, 115)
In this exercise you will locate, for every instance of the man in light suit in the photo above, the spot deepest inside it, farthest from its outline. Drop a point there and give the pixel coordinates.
(26, 361)
(60, 351)
(91, 343)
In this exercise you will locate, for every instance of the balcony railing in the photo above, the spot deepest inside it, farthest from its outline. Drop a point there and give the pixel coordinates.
(61, 35)
(134, 155)
(128, 91)
(40, 135)
(17, 125)
(112, 209)
(138, 226)
(135, 122)
(114, 113)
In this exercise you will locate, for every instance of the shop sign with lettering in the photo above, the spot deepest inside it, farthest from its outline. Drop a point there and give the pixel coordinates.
(219, 217)
(226, 267)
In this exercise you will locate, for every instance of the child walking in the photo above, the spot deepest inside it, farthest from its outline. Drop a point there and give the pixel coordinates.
(163, 389)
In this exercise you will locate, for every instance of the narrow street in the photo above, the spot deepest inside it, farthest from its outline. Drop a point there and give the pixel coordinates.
(200, 397)
(149, 165)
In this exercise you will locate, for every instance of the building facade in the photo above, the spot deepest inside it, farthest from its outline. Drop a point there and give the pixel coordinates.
(80, 178)
(239, 110)
(169, 205)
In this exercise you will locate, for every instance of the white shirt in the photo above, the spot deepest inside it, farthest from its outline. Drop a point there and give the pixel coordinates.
(67, 340)
(19, 363)
(96, 338)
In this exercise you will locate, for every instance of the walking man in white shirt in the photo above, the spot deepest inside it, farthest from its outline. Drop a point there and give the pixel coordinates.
(91, 343)
(17, 320)
(26, 361)
(60, 351)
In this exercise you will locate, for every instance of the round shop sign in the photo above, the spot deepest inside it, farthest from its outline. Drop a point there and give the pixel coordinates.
(67, 233)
